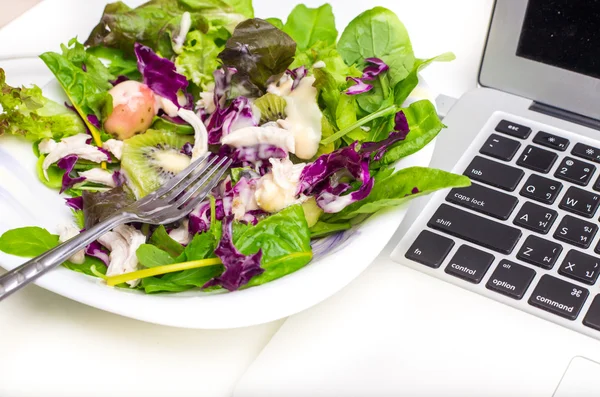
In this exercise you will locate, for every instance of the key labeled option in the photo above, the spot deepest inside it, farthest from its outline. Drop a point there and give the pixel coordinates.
(559, 297)
(541, 189)
(469, 264)
(552, 141)
(581, 267)
(494, 174)
(586, 152)
(513, 129)
(511, 279)
(537, 159)
(592, 318)
(575, 231)
(476, 229)
(430, 249)
(500, 147)
(485, 200)
(535, 217)
(539, 252)
(575, 171)
(580, 202)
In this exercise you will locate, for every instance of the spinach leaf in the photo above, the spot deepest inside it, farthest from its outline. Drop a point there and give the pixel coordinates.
(86, 266)
(198, 59)
(150, 256)
(345, 114)
(27, 113)
(27, 241)
(307, 26)
(424, 126)
(403, 89)
(202, 246)
(322, 229)
(161, 239)
(55, 174)
(119, 63)
(397, 188)
(285, 242)
(99, 206)
(259, 51)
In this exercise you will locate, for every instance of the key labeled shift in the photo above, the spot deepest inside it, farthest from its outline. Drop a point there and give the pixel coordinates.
(535, 217)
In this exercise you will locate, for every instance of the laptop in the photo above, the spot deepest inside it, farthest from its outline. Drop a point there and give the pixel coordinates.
(493, 290)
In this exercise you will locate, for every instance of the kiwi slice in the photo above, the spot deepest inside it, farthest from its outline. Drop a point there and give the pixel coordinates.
(151, 159)
(272, 107)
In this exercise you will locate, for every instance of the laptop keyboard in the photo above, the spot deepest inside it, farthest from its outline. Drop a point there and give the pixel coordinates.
(526, 231)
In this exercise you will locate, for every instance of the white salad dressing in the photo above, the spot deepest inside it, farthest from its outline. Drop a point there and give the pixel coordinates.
(67, 232)
(252, 136)
(115, 147)
(123, 243)
(76, 145)
(98, 175)
(282, 87)
(184, 28)
(277, 189)
(126, 92)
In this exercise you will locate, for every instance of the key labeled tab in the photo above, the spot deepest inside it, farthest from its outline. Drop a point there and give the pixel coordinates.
(469, 264)
(559, 297)
(539, 252)
(580, 202)
(576, 231)
(430, 249)
(494, 174)
(580, 267)
(575, 171)
(541, 189)
(513, 129)
(500, 147)
(535, 217)
(537, 159)
(485, 200)
(511, 279)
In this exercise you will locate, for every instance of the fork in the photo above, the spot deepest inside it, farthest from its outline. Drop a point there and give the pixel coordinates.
(171, 202)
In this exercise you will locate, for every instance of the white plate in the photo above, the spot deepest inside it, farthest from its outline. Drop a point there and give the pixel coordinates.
(24, 201)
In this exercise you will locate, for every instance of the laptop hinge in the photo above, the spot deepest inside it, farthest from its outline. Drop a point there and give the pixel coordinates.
(565, 115)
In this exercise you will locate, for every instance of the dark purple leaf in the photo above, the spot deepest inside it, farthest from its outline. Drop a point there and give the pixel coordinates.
(187, 149)
(160, 74)
(75, 203)
(239, 268)
(297, 74)
(376, 67)
(401, 123)
(94, 121)
(97, 251)
(359, 88)
(119, 80)
(227, 119)
(252, 156)
(118, 178)
(67, 163)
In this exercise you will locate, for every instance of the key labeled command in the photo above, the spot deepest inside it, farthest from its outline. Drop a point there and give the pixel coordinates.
(559, 297)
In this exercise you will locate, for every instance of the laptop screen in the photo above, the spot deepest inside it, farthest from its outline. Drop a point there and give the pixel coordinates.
(563, 33)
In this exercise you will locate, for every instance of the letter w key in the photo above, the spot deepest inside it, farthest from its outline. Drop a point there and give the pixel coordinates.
(580, 202)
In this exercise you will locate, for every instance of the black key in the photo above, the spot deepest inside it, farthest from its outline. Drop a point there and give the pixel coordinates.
(539, 252)
(587, 152)
(580, 202)
(541, 189)
(580, 267)
(511, 279)
(494, 174)
(597, 249)
(575, 171)
(535, 217)
(500, 147)
(469, 264)
(430, 249)
(537, 159)
(473, 228)
(514, 129)
(597, 185)
(575, 231)
(552, 141)
(485, 200)
(559, 297)
(592, 318)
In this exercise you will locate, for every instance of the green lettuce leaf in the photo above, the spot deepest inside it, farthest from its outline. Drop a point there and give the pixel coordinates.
(27, 113)
(119, 64)
(322, 229)
(164, 125)
(308, 26)
(198, 60)
(403, 89)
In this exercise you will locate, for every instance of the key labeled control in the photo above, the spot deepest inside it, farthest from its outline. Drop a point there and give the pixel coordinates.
(559, 297)
(494, 174)
(511, 279)
(539, 252)
(541, 189)
(469, 264)
(485, 200)
(575, 171)
(575, 231)
(535, 217)
(580, 202)
(476, 229)
(430, 249)
(500, 147)
(513, 129)
(537, 159)
(581, 267)
(586, 152)
(552, 141)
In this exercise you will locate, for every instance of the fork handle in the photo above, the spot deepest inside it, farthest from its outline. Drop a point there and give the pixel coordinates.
(36, 267)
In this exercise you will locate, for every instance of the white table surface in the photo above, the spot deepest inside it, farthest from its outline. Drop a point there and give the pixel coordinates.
(52, 346)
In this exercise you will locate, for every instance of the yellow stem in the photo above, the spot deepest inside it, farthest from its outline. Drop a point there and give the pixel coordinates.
(155, 271)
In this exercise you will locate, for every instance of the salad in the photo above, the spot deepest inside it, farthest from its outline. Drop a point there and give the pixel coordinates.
(313, 120)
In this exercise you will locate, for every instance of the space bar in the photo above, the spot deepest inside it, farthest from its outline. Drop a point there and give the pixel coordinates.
(476, 229)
